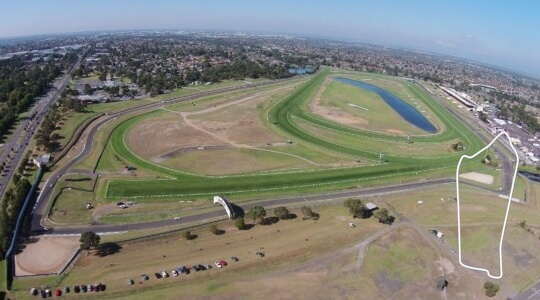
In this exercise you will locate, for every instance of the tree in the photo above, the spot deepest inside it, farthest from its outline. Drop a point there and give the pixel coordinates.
(483, 117)
(187, 235)
(89, 240)
(215, 230)
(356, 207)
(491, 288)
(240, 223)
(442, 283)
(256, 212)
(309, 214)
(88, 89)
(281, 212)
(382, 215)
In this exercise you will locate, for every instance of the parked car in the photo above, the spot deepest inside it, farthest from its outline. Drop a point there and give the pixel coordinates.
(223, 263)
(218, 264)
(144, 277)
(235, 259)
(174, 273)
(201, 267)
(77, 289)
(208, 266)
(164, 274)
(66, 289)
(84, 288)
(33, 291)
(196, 268)
(352, 225)
(43, 294)
(158, 275)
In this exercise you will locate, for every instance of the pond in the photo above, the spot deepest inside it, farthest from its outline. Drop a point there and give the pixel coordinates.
(409, 113)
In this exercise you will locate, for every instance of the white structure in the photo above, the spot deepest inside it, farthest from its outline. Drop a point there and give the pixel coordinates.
(225, 204)
(371, 206)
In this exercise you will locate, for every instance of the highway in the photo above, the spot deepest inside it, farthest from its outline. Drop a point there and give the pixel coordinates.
(28, 127)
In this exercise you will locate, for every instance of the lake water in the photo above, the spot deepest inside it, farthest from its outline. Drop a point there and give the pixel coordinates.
(301, 71)
(404, 109)
(531, 176)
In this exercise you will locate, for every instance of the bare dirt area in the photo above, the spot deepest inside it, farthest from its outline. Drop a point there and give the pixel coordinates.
(478, 177)
(395, 131)
(238, 121)
(333, 113)
(158, 136)
(46, 255)
(235, 122)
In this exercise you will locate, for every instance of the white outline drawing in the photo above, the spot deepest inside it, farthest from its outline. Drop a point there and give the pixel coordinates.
(507, 207)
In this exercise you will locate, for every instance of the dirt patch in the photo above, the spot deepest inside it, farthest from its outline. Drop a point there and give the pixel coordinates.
(395, 131)
(45, 255)
(102, 210)
(387, 284)
(522, 258)
(448, 266)
(478, 177)
(159, 136)
(334, 114)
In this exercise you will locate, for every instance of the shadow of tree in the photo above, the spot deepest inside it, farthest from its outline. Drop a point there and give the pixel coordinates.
(106, 249)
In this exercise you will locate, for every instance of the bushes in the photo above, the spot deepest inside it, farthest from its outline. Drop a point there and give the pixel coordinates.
(491, 288)
(240, 223)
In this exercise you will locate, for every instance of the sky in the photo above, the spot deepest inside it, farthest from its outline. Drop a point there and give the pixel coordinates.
(498, 32)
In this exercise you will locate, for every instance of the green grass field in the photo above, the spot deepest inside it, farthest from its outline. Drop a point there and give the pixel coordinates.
(282, 117)
(379, 116)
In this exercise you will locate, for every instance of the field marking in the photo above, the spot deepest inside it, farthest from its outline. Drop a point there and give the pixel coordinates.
(507, 207)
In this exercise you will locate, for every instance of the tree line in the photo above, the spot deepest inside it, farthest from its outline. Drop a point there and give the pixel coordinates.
(10, 207)
(21, 82)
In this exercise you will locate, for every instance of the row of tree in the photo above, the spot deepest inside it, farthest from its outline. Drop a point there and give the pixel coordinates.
(10, 207)
(46, 136)
(22, 81)
(358, 209)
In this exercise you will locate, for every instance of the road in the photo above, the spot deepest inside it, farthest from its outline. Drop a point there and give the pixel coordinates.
(28, 127)
(506, 163)
(532, 293)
